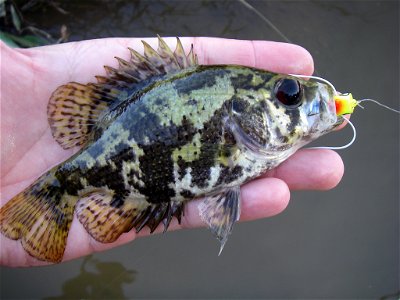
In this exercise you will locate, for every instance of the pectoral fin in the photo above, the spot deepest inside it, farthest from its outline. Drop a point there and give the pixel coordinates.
(220, 212)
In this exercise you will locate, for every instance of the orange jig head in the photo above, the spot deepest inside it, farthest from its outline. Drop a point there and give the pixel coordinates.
(345, 104)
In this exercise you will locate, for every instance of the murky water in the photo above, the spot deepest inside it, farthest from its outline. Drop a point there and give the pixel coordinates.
(342, 243)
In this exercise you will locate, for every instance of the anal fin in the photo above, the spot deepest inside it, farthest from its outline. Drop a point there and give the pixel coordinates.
(104, 218)
(220, 212)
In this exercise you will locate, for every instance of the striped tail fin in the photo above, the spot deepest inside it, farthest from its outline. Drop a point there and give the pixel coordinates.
(40, 217)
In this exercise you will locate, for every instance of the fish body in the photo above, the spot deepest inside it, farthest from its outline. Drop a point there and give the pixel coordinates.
(160, 131)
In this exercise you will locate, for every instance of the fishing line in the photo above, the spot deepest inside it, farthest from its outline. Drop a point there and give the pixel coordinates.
(378, 103)
(264, 18)
(317, 78)
(345, 146)
(269, 23)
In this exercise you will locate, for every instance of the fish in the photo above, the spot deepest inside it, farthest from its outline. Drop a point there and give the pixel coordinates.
(156, 132)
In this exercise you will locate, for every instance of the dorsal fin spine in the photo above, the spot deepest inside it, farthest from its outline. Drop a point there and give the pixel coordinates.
(165, 52)
(151, 54)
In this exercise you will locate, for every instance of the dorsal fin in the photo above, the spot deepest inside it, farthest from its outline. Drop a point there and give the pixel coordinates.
(74, 108)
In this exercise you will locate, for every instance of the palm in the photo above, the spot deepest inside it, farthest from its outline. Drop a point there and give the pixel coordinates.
(28, 149)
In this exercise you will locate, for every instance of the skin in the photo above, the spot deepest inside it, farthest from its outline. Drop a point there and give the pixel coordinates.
(29, 76)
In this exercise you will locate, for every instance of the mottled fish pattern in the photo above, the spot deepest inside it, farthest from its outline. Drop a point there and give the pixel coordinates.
(155, 133)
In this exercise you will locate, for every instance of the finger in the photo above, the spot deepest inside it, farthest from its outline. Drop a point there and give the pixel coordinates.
(80, 61)
(272, 56)
(310, 169)
(264, 197)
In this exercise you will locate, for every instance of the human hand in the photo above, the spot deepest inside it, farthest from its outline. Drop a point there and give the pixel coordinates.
(29, 76)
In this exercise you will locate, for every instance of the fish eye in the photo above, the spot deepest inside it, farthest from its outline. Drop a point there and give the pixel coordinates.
(289, 92)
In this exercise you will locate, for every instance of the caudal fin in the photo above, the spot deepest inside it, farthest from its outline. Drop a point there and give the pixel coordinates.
(40, 217)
